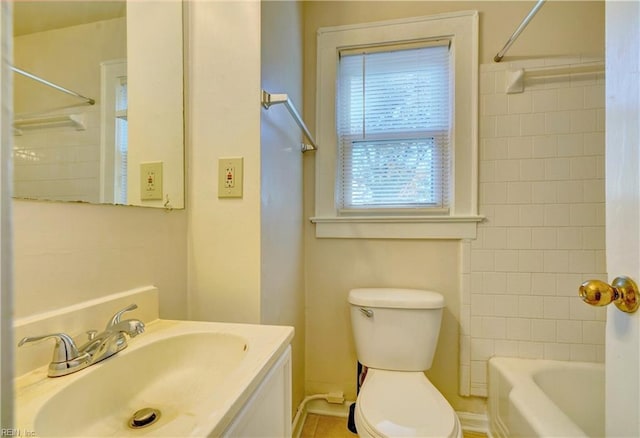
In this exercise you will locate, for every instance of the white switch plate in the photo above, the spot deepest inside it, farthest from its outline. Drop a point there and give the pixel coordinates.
(230, 174)
(151, 181)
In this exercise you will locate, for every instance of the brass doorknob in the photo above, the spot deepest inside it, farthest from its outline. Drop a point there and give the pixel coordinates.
(623, 292)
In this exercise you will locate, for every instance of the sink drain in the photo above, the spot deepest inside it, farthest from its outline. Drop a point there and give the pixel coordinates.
(144, 417)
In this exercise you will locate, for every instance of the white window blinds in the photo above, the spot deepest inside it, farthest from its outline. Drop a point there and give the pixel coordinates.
(393, 123)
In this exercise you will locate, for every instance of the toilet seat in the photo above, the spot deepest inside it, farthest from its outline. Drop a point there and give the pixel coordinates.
(403, 404)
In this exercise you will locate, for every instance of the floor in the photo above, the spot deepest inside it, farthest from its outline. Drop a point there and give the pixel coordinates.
(321, 426)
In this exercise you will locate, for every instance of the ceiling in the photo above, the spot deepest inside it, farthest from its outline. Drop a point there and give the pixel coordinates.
(38, 16)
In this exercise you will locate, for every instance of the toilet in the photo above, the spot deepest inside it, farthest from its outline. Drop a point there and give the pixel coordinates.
(396, 332)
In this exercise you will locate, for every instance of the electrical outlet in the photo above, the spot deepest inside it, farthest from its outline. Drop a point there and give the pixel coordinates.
(151, 181)
(230, 172)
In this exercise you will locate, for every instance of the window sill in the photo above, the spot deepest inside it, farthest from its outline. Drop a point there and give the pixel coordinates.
(397, 227)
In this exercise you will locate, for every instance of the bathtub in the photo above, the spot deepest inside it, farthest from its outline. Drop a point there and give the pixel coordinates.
(545, 398)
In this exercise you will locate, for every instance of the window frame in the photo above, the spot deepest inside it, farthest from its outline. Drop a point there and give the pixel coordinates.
(461, 28)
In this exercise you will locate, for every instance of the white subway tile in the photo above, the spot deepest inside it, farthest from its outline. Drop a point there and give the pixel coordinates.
(520, 147)
(545, 146)
(476, 325)
(569, 331)
(506, 261)
(519, 192)
(594, 143)
(532, 124)
(479, 372)
(494, 104)
(583, 353)
(494, 282)
(531, 216)
(582, 261)
(543, 330)
(584, 167)
(594, 190)
(570, 192)
(543, 284)
(584, 215)
(556, 261)
(487, 82)
(493, 149)
(600, 120)
(593, 238)
(558, 122)
(506, 215)
(519, 283)
(570, 145)
(601, 167)
(506, 306)
(570, 99)
(544, 192)
(519, 238)
(557, 168)
(518, 329)
(465, 350)
(508, 125)
(481, 349)
(481, 305)
(494, 328)
(507, 170)
(601, 261)
(532, 170)
(531, 307)
(531, 350)
(487, 171)
(505, 348)
(556, 215)
(493, 193)
(482, 260)
(553, 351)
(500, 85)
(569, 238)
(567, 284)
(545, 100)
(476, 282)
(593, 332)
(556, 308)
(544, 238)
(495, 238)
(520, 103)
(594, 96)
(530, 261)
(600, 353)
(584, 121)
(487, 126)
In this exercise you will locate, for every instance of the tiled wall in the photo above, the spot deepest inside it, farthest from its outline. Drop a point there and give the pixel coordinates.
(542, 192)
(59, 162)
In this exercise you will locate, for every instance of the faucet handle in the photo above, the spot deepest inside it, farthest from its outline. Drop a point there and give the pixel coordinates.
(115, 319)
(91, 334)
(64, 351)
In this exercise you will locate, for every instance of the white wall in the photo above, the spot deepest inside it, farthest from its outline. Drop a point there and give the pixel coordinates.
(542, 192)
(223, 120)
(282, 246)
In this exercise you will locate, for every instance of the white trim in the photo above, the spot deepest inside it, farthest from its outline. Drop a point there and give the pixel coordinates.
(462, 29)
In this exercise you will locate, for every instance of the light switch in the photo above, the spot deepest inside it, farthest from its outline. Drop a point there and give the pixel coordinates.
(230, 171)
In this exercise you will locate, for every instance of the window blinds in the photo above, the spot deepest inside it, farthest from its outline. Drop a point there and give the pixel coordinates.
(393, 126)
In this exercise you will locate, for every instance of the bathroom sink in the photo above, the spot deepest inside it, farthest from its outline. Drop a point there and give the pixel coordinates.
(192, 376)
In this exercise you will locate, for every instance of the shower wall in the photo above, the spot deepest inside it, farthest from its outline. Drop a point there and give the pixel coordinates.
(542, 192)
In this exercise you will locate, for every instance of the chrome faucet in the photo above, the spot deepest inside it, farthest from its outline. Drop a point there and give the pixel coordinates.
(67, 358)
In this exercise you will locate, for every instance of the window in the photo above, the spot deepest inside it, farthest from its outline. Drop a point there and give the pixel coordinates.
(393, 123)
(397, 128)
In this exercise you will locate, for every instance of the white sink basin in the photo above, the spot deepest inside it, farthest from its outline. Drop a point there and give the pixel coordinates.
(196, 374)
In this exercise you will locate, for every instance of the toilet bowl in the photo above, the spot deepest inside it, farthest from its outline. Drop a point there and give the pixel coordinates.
(396, 332)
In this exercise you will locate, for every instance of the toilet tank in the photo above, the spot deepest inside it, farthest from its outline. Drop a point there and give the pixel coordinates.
(396, 329)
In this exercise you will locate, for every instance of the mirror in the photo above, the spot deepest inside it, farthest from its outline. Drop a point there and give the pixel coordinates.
(127, 147)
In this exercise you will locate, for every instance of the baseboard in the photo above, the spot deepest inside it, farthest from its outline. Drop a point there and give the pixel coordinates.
(322, 407)
(472, 422)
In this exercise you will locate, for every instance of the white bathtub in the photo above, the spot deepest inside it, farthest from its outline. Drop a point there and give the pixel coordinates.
(545, 398)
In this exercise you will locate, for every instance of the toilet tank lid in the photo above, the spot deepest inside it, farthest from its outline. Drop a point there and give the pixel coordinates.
(394, 298)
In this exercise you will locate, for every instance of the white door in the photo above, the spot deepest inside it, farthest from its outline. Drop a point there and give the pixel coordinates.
(623, 212)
